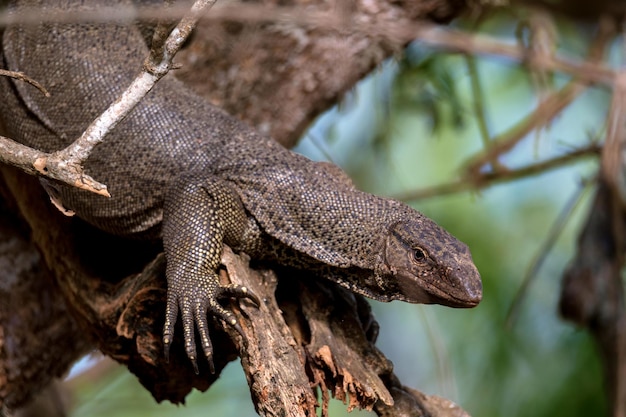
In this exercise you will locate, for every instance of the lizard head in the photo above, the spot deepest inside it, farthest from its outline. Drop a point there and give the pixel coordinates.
(425, 264)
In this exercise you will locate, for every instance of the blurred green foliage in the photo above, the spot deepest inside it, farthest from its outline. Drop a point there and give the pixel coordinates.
(412, 125)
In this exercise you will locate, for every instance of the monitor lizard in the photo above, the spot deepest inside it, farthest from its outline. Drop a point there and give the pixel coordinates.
(181, 169)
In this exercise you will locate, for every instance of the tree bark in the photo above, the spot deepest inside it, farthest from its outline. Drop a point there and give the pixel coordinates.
(33, 314)
(279, 76)
(592, 292)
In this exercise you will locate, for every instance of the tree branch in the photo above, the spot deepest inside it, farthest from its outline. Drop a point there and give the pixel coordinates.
(39, 338)
(23, 77)
(487, 179)
(592, 292)
(66, 165)
(307, 335)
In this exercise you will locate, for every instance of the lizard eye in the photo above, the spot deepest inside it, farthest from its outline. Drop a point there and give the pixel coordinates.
(419, 255)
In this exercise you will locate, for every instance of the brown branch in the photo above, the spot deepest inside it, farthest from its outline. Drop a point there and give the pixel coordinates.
(19, 156)
(541, 115)
(592, 293)
(487, 179)
(29, 160)
(32, 162)
(66, 165)
(269, 346)
(36, 328)
(23, 77)
(612, 161)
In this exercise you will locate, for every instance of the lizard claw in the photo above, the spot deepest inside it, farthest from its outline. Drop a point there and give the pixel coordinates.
(194, 302)
(239, 291)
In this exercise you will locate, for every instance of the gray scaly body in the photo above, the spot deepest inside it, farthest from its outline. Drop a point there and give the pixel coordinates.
(181, 169)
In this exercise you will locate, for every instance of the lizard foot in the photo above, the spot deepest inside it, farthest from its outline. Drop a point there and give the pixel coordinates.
(194, 301)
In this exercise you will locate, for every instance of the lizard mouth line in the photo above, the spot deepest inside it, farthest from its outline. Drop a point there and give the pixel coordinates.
(420, 291)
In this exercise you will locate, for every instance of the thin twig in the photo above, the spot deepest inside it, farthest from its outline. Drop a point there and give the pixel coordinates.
(486, 179)
(611, 162)
(23, 77)
(156, 66)
(542, 254)
(478, 102)
(612, 165)
(542, 114)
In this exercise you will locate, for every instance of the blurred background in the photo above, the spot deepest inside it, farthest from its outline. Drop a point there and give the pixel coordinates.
(413, 125)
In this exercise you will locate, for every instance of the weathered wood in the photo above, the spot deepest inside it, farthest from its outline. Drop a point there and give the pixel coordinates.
(39, 340)
(592, 293)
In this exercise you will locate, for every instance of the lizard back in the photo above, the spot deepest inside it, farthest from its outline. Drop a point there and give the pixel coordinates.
(86, 66)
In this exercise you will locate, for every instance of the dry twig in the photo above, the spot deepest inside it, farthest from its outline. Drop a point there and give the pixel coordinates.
(23, 77)
(540, 116)
(486, 179)
(66, 165)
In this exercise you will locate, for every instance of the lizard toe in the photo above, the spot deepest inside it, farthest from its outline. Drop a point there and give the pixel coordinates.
(171, 315)
(188, 332)
(195, 304)
(217, 310)
(239, 291)
(200, 315)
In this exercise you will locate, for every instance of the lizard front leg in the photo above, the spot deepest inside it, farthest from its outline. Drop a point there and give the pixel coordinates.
(199, 216)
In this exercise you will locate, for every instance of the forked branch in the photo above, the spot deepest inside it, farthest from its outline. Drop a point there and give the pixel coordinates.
(66, 165)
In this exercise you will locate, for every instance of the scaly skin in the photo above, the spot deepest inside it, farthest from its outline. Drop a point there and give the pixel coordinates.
(181, 169)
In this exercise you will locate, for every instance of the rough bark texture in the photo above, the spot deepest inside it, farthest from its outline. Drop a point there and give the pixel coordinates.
(592, 293)
(33, 314)
(279, 76)
(109, 293)
(311, 334)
